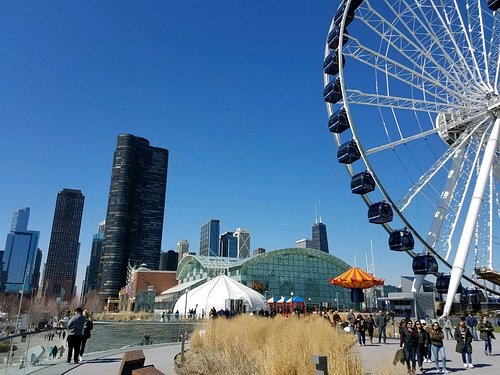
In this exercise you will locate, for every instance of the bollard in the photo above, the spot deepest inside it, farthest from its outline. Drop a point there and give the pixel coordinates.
(183, 339)
(321, 363)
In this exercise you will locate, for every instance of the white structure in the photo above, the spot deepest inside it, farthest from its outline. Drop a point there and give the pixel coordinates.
(304, 244)
(216, 293)
(182, 248)
(243, 245)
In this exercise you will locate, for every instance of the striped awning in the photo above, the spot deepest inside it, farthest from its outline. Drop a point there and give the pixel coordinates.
(356, 278)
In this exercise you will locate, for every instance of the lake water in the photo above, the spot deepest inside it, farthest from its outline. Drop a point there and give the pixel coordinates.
(111, 335)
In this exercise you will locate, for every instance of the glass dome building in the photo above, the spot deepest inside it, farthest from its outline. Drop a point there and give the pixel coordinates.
(303, 272)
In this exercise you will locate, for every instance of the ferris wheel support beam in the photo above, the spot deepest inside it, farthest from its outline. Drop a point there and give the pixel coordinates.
(472, 215)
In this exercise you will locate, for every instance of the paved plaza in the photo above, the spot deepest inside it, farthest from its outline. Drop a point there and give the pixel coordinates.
(377, 359)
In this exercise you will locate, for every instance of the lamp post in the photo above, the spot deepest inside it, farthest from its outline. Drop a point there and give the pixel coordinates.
(337, 300)
(291, 303)
(309, 304)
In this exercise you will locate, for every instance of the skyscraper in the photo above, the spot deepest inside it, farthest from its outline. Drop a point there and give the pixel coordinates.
(243, 243)
(182, 248)
(258, 251)
(136, 205)
(35, 279)
(319, 237)
(20, 254)
(91, 274)
(20, 219)
(169, 260)
(228, 245)
(304, 244)
(64, 246)
(209, 238)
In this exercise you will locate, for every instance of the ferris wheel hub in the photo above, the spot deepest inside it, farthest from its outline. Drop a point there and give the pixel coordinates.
(494, 104)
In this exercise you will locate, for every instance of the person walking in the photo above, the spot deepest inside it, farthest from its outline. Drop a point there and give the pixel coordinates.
(87, 327)
(486, 333)
(447, 328)
(422, 343)
(381, 324)
(370, 325)
(75, 334)
(428, 356)
(472, 324)
(336, 319)
(351, 320)
(360, 328)
(463, 336)
(436, 335)
(408, 340)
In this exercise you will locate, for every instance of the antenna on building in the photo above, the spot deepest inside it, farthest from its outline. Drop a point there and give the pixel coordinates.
(317, 211)
(370, 267)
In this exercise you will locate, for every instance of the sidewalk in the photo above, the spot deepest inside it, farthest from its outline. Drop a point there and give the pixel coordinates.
(108, 363)
(377, 359)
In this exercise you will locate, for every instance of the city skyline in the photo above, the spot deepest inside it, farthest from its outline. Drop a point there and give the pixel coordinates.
(249, 143)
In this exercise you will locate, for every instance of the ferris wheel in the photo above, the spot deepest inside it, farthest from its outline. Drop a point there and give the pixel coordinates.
(412, 90)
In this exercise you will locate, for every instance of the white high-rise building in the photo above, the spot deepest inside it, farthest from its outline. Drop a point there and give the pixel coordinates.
(243, 237)
(182, 248)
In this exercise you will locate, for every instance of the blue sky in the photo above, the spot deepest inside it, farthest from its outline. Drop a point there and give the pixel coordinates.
(232, 89)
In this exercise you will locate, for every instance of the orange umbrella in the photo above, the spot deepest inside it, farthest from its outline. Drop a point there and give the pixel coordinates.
(356, 278)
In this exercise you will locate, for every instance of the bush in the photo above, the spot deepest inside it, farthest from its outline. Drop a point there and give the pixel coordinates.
(259, 346)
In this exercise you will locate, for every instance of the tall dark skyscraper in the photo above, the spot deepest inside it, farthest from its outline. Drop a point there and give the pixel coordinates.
(319, 237)
(209, 238)
(169, 260)
(64, 246)
(134, 221)
(95, 258)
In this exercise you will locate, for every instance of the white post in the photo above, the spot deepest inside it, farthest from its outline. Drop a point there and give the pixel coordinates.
(417, 283)
(470, 222)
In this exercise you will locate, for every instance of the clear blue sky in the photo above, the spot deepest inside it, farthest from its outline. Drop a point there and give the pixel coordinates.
(233, 89)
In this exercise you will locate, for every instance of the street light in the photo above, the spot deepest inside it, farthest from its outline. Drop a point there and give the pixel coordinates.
(291, 303)
(337, 300)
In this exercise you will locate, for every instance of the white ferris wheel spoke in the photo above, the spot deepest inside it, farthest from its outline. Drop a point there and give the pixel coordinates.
(410, 48)
(359, 97)
(440, 163)
(434, 33)
(478, 36)
(406, 75)
(418, 27)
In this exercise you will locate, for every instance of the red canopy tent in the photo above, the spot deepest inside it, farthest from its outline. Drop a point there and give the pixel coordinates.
(356, 279)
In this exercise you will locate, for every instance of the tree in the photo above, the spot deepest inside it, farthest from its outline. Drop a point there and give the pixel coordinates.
(40, 310)
(9, 303)
(94, 302)
(258, 286)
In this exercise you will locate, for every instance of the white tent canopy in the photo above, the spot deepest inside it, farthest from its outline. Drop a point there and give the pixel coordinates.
(215, 292)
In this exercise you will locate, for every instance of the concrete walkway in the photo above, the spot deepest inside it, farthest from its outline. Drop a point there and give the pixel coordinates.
(377, 359)
(108, 363)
